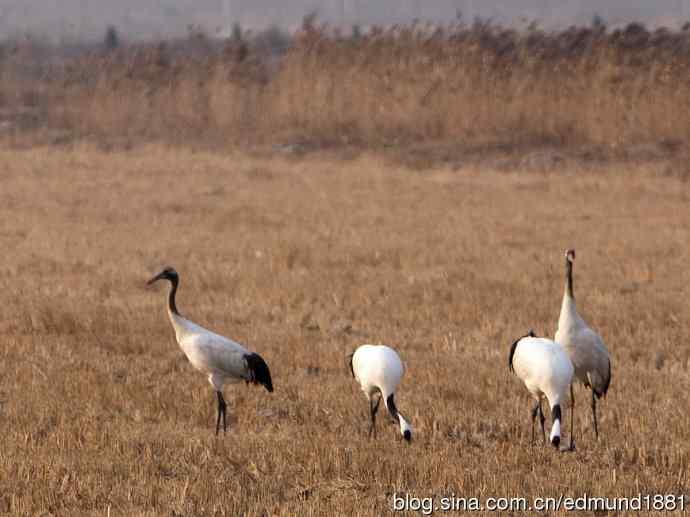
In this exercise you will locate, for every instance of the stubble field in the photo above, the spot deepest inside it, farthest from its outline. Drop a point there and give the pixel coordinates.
(303, 260)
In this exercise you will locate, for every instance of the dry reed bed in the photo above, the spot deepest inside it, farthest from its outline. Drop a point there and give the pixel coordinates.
(304, 260)
(478, 84)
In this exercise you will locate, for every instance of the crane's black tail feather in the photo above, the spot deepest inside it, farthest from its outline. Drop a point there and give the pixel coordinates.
(605, 389)
(349, 363)
(258, 371)
(514, 346)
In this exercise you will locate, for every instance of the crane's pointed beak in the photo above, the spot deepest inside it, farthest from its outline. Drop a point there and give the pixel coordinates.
(155, 279)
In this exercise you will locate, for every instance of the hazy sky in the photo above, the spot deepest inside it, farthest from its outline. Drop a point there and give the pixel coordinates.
(150, 19)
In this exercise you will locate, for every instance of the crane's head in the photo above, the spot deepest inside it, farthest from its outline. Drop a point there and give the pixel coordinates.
(168, 273)
(570, 255)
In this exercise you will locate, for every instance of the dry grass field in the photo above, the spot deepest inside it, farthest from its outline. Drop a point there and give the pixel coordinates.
(303, 260)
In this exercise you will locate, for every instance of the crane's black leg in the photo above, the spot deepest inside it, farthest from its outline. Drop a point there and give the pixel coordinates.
(535, 411)
(221, 411)
(373, 408)
(594, 414)
(542, 419)
(225, 412)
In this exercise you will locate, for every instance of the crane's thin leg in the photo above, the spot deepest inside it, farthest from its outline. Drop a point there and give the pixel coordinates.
(542, 419)
(535, 412)
(225, 412)
(594, 414)
(373, 408)
(221, 411)
(572, 419)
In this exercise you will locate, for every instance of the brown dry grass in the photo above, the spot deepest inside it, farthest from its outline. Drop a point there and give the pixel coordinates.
(304, 260)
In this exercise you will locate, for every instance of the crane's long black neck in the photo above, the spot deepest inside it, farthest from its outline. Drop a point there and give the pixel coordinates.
(390, 404)
(569, 278)
(556, 412)
(174, 281)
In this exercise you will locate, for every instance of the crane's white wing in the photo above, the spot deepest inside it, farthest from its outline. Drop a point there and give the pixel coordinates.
(591, 359)
(215, 354)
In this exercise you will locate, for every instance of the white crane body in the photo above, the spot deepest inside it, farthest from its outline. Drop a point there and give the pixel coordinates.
(379, 370)
(583, 345)
(222, 360)
(547, 372)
